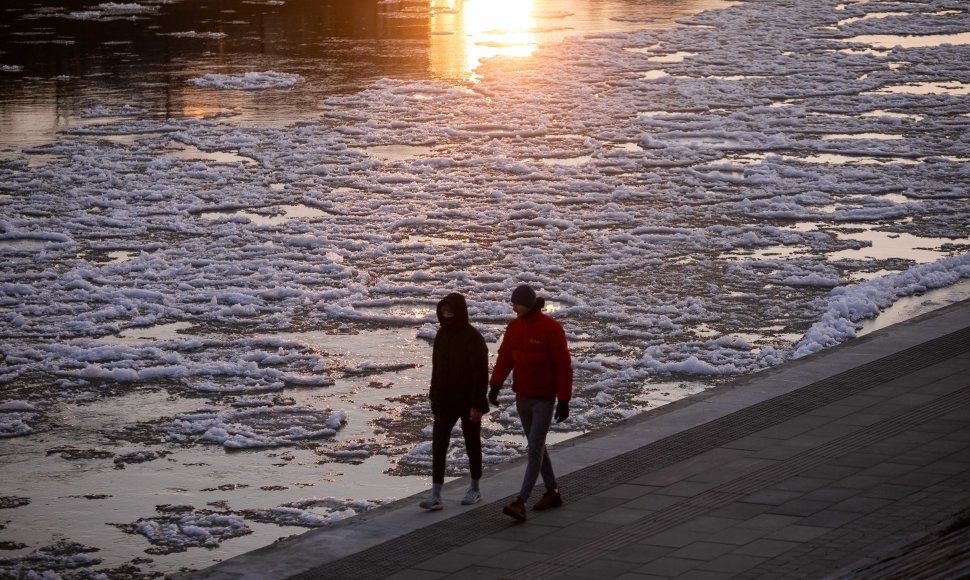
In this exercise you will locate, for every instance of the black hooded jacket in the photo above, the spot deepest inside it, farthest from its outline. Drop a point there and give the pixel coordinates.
(459, 363)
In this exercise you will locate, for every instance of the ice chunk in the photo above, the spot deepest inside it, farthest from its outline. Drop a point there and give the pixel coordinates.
(250, 81)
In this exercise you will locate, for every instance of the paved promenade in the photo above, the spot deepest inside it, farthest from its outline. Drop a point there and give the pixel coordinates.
(852, 463)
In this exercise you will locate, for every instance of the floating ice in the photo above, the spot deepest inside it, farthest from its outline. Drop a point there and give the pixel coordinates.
(845, 306)
(9, 406)
(375, 369)
(351, 452)
(194, 34)
(125, 7)
(105, 111)
(179, 528)
(204, 365)
(812, 279)
(255, 428)
(14, 425)
(7, 502)
(85, 15)
(112, 11)
(262, 401)
(63, 557)
(307, 512)
(140, 456)
(14, 417)
(250, 81)
(689, 364)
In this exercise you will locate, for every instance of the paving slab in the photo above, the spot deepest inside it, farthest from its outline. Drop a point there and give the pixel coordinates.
(826, 461)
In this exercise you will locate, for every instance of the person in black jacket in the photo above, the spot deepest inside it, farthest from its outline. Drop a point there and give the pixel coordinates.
(459, 382)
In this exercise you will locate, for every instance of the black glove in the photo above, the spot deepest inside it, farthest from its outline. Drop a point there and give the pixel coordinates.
(562, 411)
(493, 394)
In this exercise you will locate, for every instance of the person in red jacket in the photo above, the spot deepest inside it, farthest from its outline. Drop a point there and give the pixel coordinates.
(534, 350)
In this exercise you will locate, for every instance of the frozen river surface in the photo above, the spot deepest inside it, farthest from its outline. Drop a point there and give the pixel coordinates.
(224, 230)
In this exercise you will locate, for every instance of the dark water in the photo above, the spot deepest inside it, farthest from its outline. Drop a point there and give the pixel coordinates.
(71, 64)
(59, 59)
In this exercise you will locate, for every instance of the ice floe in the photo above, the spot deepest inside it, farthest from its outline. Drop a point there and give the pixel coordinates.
(314, 512)
(104, 111)
(194, 34)
(249, 81)
(8, 502)
(112, 11)
(140, 456)
(845, 306)
(255, 428)
(15, 416)
(49, 562)
(179, 527)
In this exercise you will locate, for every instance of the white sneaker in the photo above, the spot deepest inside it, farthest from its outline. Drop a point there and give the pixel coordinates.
(472, 496)
(432, 502)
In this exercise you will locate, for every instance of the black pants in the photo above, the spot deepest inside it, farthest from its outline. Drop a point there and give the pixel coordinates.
(441, 437)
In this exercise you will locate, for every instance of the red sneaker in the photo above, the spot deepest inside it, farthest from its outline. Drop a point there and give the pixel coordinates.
(516, 509)
(550, 499)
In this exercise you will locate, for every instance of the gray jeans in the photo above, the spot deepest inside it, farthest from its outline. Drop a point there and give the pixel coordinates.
(536, 416)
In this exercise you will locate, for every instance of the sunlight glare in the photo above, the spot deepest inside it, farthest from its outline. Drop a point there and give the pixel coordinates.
(480, 29)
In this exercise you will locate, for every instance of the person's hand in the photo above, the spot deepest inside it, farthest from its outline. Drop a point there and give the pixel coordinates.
(474, 415)
(562, 411)
(493, 394)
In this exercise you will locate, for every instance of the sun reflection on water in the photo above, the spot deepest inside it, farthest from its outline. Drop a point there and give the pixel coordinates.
(465, 32)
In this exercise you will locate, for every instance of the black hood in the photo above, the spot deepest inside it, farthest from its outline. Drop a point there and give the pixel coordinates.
(458, 306)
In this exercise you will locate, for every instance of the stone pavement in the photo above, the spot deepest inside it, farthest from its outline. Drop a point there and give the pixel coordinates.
(851, 463)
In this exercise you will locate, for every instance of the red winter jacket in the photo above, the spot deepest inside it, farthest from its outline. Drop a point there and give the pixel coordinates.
(534, 350)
